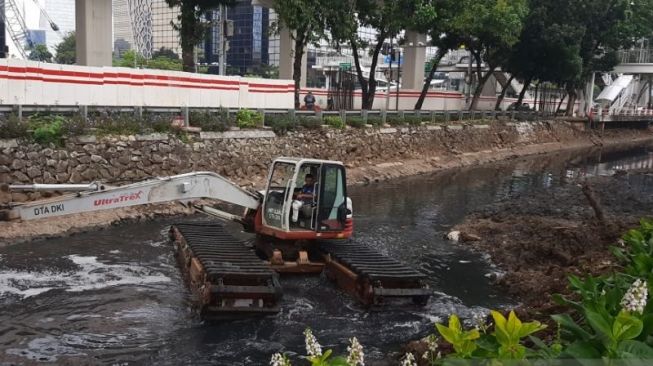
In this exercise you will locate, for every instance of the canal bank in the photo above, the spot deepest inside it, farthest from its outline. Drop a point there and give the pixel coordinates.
(370, 154)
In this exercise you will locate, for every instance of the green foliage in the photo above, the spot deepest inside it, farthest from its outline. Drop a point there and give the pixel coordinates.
(505, 342)
(463, 342)
(163, 62)
(47, 129)
(65, 51)
(208, 121)
(280, 124)
(119, 124)
(374, 120)
(246, 118)
(311, 123)
(356, 122)
(395, 121)
(335, 122)
(413, 120)
(191, 27)
(12, 127)
(41, 53)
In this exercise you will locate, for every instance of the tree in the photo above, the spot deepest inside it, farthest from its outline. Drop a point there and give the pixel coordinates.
(434, 19)
(65, 51)
(40, 53)
(190, 26)
(607, 26)
(387, 18)
(302, 18)
(132, 59)
(166, 53)
(488, 29)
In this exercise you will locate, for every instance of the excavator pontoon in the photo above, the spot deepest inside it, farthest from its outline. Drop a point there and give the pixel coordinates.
(298, 227)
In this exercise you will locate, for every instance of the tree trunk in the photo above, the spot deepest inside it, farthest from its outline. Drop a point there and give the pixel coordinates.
(537, 92)
(571, 102)
(522, 93)
(564, 96)
(429, 78)
(188, 38)
(297, 65)
(497, 107)
(359, 73)
(371, 85)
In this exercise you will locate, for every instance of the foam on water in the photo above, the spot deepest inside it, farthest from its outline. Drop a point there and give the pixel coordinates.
(90, 275)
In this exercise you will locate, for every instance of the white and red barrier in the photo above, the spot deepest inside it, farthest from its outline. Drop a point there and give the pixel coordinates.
(35, 83)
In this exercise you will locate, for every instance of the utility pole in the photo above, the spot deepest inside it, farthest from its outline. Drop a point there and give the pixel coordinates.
(398, 76)
(387, 78)
(223, 39)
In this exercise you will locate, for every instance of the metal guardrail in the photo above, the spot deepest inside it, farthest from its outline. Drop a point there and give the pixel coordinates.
(184, 112)
(638, 56)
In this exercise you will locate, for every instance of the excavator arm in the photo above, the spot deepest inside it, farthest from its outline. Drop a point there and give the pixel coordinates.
(95, 197)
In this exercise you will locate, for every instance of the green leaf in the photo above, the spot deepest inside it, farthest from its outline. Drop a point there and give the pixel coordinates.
(454, 323)
(566, 322)
(338, 361)
(446, 333)
(635, 349)
(600, 324)
(582, 350)
(626, 327)
(513, 327)
(530, 328)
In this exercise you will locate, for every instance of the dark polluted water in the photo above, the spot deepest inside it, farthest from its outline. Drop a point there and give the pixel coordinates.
(115, 296)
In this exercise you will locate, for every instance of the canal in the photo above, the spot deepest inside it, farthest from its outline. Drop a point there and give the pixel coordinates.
(115, 295)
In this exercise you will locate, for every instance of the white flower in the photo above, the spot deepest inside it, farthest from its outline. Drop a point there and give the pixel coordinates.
(313, 348)
(408, 360)
(634, 300)
(479, 318)
(432, 343)
(356, 356)
(279, 360)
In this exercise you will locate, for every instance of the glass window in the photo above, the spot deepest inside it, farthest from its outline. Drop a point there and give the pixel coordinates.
(278, 190)
(332, 206)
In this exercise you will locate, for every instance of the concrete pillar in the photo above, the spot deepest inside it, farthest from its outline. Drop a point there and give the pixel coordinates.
(93, 27)
(412, 70)
(286, 57)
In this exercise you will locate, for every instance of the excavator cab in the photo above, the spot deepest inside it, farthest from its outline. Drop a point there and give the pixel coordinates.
(306, 199)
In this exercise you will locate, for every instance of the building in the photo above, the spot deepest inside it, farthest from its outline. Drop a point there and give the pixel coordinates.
(36, 36)
(123, 34)
(248, 46)
(4, 50)
(163, 34)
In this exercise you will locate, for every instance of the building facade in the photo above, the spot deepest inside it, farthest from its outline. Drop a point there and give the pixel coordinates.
(3, 36)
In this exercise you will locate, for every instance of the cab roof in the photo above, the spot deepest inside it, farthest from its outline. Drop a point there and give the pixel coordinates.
(296, 160)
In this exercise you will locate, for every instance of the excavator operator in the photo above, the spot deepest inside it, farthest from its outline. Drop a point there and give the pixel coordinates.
(304, 198)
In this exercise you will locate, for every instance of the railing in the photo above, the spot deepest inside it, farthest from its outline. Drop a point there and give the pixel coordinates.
(433, 116)
(637, 56)
(624, 97)
(626, 114)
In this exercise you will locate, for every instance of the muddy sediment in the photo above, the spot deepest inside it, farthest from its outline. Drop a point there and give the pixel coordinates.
(538, 239)
(459, 150)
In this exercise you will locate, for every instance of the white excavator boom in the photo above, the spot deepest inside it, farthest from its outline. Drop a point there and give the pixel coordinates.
(95, 197)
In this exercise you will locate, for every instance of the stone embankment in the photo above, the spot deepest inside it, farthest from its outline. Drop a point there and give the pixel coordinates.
(370, 154)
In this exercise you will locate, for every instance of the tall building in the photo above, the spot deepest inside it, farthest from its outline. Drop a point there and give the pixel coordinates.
(123, 34)
(163, 34)
(248, 50)
(62, 13)
(3, 37)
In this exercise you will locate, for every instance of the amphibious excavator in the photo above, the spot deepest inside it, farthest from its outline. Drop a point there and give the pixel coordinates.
(300, 225)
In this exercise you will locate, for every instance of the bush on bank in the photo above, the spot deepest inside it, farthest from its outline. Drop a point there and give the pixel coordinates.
(608, 320)
(52, 128)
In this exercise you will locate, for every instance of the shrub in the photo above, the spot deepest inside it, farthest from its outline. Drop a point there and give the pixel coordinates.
(374, 120)
(280, 124)
(356, 122)
(12, 127)
(334, 121)
(246, 118)
(119, 124)
(413, 120)
(310, 122)
(395, 121)
(158, 123)
(75, 125)
(208, 121)
(47, 129)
